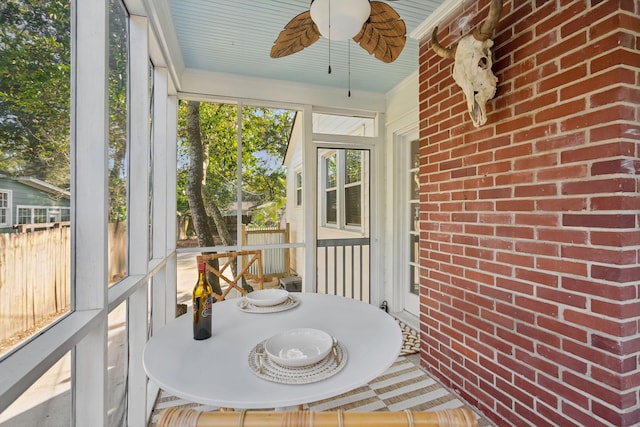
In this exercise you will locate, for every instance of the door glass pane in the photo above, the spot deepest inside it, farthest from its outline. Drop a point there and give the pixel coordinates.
(353, 205)
(118, 140)
(415, 185)
(415, 154)
(414, 285)
(353, 172)
(414, 217)
(332, 207)
(35, 95)
(331, 171)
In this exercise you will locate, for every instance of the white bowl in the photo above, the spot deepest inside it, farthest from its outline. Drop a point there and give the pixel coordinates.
(267, 297)
(298, 347)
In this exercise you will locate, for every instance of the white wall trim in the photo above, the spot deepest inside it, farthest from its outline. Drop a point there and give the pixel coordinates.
(447, 9)
(165, 37)
(280, 91)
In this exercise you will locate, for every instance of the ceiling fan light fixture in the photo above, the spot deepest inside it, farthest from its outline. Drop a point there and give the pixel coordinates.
(345, 17)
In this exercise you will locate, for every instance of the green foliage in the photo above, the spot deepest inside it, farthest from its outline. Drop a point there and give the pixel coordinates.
(269, 214)
(35, 94)
(118, 110)
(265, 135)
(35, 72)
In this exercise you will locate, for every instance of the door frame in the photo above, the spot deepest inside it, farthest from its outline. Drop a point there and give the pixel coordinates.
(402, 300)
(315, 141)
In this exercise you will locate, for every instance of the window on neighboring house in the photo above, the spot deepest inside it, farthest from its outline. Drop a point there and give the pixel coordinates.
(298, 188)
(24, 216)
(343, 171)
(4, 208)
(39, 215)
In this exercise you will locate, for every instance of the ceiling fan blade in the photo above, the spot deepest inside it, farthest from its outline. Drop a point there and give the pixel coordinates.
(299, 33)
(384, 34)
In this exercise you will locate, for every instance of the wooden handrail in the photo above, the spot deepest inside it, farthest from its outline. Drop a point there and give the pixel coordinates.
(184, 417)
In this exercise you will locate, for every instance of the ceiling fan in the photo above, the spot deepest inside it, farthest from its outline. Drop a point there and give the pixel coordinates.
(374, 25)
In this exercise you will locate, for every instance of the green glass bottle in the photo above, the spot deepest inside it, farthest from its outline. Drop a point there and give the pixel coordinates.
(202, 302)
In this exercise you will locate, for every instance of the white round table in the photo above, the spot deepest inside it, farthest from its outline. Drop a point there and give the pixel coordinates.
(216, 371)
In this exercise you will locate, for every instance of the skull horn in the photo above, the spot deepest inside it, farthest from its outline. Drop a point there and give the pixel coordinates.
(437, 47)
(485, 31)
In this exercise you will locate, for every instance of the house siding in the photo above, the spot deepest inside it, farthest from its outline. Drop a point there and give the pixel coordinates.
(529, 235)
(25, 196)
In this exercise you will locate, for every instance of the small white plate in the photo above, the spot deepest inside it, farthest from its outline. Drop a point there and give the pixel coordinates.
(298, 347)
(267, 297)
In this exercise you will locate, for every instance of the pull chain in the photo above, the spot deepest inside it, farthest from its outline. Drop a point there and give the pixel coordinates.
(349, 52)
(329, 37)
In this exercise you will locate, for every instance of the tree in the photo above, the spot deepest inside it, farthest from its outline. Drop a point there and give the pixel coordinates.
(264, 140)
(35, 72)
(118, 111)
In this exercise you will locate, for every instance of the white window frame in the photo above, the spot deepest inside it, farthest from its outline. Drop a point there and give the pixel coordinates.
(32, 208)
(8, 209)
(84, 331)
(298, 186)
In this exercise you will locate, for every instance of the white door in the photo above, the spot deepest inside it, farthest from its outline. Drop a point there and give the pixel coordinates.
(410, 226)
(343, 216)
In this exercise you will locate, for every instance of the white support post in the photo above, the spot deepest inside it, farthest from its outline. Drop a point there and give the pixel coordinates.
(376, 212)
(138, 218)
(171, 148)
(89, 135)
(310, 200)
(159, 308)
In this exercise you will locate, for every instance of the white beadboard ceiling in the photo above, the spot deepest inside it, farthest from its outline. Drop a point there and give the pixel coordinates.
(235, 37)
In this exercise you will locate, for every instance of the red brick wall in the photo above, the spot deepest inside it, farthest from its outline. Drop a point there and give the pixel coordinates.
(530, 238)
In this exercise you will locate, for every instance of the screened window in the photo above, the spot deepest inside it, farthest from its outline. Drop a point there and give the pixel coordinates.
(35, 102)
(118, 139)
(244, 180)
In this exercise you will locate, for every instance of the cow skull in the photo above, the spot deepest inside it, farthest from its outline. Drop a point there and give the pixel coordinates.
(472, 64)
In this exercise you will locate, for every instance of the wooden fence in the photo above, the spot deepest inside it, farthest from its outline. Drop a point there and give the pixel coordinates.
(275, 261)
(34, 278)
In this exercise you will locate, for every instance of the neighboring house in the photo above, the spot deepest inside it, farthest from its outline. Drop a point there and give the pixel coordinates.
(28, 200)
(342, 205)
